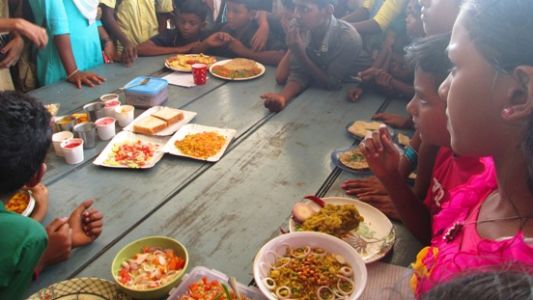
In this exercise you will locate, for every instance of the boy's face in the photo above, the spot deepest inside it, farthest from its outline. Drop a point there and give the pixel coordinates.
(439, 16)
(189, 25)
(238, 15)
(428, 110)
(309, 16)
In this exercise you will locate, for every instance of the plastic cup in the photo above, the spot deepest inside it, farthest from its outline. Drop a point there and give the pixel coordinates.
(109, 97)
(58, 138)
(95, 110)
(87, 132)
(105, 127)
(124, 115)
(199, 74)
(73, 151)
(109, 107)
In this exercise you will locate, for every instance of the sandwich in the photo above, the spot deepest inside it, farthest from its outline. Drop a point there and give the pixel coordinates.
(169, 115)
(149, 125)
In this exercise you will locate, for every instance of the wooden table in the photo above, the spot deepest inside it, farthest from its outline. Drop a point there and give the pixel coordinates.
(223, 212)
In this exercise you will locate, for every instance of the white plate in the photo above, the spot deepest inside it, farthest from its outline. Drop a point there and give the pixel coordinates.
(263, 69)
(196, 128)
(125, 136)
(183, 70)
(170, 130)
(374, 237)
(81, 288)
(264, 258)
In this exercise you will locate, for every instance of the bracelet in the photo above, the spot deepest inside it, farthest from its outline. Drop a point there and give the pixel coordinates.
(73, 73)
(411, 155)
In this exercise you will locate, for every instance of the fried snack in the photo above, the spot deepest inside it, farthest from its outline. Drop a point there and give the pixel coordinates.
(361, 128)
(201, 145)
(18, 202)
(354, 159)
(184, 62)
(403, 139)
(332, 219)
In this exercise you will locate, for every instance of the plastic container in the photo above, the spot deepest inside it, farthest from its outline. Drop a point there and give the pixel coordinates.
(198, 272)
(152, 93)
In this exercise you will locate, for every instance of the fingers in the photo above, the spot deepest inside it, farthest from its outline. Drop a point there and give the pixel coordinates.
(379, 116)
(56, 224)
(355, 94)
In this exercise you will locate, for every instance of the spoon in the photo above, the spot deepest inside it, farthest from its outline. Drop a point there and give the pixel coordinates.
(143, 82)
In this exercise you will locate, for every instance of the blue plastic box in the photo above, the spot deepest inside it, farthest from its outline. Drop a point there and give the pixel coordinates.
(152, 93)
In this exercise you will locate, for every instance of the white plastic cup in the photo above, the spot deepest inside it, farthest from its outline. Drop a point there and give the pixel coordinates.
(58, 138)
(105, 127)
(73, 151)
(109, 107)
(124, 115)
(109, 97)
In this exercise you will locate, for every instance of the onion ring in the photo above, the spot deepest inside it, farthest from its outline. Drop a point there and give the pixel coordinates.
(306, 252)
(269, 283)
(346, 293)
(319, 294)
(346, 271)
(281, 289)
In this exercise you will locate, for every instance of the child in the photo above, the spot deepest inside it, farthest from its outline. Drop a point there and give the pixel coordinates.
(76, 45)
(133, 22)
(428, 112)
(387, 13)
(26, 247)
(187, 37)
(242, 27)
(437, 15)
(490, 103)
(331, 53)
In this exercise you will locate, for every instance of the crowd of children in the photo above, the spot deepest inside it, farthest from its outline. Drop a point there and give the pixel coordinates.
(466, 65)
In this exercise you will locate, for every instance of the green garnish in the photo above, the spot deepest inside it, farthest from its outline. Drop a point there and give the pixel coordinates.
(228, 296)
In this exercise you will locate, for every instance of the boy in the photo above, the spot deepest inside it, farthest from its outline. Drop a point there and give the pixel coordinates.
(190, 18)
(136, 21)
(26, 247)
(324, 51)
(242, 25)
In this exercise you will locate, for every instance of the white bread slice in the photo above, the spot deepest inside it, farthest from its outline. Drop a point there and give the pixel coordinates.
(169, 115)
(149, 125)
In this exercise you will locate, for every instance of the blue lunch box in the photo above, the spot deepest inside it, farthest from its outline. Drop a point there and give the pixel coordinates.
(152, 93)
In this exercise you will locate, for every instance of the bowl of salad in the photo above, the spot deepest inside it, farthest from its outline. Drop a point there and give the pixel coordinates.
(150, 267)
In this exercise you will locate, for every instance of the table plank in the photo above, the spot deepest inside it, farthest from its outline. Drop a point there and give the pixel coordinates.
(127, 196)
(231, 210)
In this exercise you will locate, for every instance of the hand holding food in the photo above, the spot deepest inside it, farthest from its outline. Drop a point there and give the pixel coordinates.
(381, 154)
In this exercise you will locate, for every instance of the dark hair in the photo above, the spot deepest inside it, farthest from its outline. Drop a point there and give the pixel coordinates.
(249, 4)
(501, 32)
(25, 137)
(502, 285)
(288, 4)
(196, 7)
(429, 54)
(324, 3)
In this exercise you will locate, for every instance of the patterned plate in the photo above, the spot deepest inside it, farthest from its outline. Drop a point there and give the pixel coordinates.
(81, 288)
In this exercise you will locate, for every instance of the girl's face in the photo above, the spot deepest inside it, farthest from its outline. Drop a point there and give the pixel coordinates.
(474, 94)
(438, 16)
(428, 110)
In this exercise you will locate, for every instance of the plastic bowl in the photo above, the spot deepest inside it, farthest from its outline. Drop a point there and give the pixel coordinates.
(312, 239)
(135, 247)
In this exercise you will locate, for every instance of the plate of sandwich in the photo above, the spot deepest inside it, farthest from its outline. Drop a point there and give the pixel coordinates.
(237, 69)
(160, 121)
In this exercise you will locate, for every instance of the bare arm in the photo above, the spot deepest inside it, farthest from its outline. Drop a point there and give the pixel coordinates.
(367, 27)
(358, 15)
(283, 69)
(276, 102)
(129, 53)
(149, 48)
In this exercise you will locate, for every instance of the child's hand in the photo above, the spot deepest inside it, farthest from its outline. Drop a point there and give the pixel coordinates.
(12, 50)
(364, 187)
(86, 224)
(40, 194)
(393, 120)
(384, 80)
(274, 102)
(295, 40)
(129, 54)
(368, 74)
(354, 94)
(109, 50)
(59, 243)
(236, 46)
(260, 38)
(37, 35)
(85, 78)
(218, 39)
(383, 203)
(381, 154)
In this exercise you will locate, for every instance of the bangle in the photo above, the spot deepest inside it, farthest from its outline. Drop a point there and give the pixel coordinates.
(72, 74)
(411, 155)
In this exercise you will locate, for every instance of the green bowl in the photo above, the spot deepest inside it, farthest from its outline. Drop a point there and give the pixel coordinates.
(135, 247)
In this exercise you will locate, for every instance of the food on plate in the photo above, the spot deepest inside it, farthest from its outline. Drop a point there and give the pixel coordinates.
(403, 139)
(332, 219)
(169, 115)
(201, 145)
(158, 121)
(52, 108)
(19, 202)
(354, 159)
(237, 68)
(310, 273)
(361, 128)
(185, 62)
(132, 154)
(152, 268)
(205, 289)
(149, 125)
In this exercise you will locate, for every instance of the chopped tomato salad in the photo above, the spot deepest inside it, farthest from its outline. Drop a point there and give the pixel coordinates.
(204, 289)
(131, 154)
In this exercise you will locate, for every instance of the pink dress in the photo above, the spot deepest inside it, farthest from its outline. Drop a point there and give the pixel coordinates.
(467, 251)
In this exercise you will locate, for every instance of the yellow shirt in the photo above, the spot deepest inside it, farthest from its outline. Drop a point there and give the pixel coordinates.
(138, 18)
(368, 4)
(388, 12)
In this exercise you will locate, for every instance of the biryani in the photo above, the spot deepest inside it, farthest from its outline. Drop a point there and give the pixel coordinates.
(201, 145)
(354, 159)
(309, 274)
(332, 219)
(238, 68)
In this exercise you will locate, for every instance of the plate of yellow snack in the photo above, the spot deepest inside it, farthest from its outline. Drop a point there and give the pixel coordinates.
(184, 62)
(22, 203)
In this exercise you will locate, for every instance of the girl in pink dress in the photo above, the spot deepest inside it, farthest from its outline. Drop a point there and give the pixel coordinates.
(489, 94)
